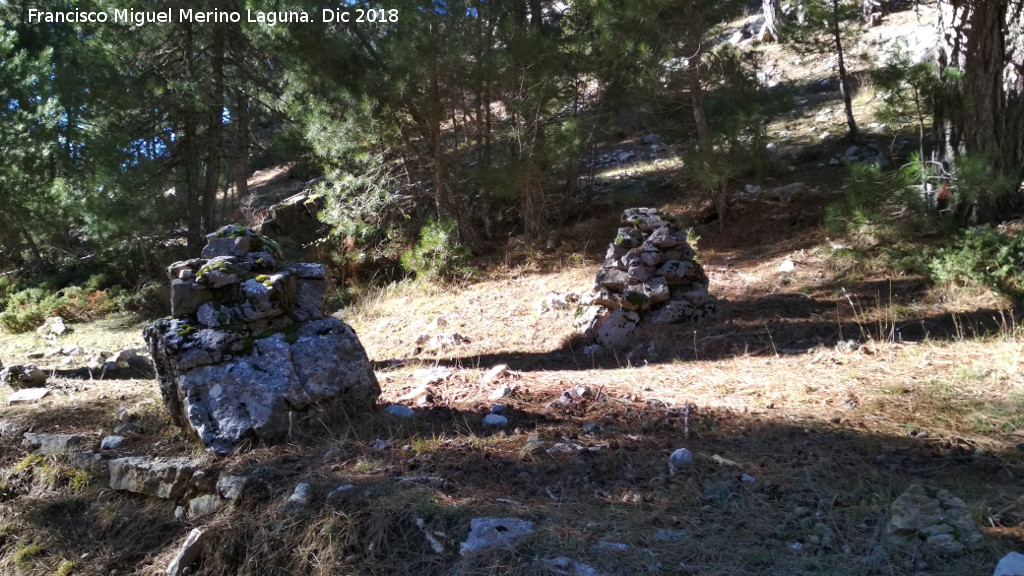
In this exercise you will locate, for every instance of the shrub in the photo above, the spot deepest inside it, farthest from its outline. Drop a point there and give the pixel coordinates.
(438, 254)
(986, 256)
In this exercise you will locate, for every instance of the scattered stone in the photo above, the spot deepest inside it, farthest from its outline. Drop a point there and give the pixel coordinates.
(617, 330)
(338, 492)
(126, 428)
(680, 458)
(747, 479)
(421, 395)
(188, 554)
(379, 445)
(559, 300)
(666, 535)
(495, 421)
(1010, 565)
(787, 265)
(166, 478)
(936, 520)
(498, 409)
(52, 327)
(27, 396)
(8, 428)
(19, 376)
(54, 443)
(565, 448)
(606, 546)
(532, 447)
(592, 427)
(495, 373)
(565, 566)
(503, 391)
(494, 533)
(300, 496)
(123, 415)
(570, 396)
(205, 505)
(231, 486)
(400, 411)
(111, 442)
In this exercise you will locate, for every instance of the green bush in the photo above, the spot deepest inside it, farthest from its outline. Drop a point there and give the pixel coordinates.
(438, 254)
(28, 309)
(986, 256)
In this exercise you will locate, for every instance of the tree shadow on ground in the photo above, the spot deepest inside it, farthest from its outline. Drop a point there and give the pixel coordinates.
(815, 499)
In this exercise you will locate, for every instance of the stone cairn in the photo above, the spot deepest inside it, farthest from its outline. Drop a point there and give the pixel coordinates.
(648, 270)
(248, 344)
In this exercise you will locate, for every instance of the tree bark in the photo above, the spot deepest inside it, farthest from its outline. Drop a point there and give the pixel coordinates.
(771, 10)
(985, 41)
(214, 130)
(844, 78)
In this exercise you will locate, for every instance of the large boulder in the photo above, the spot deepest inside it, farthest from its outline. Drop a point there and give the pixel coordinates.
(258, 350)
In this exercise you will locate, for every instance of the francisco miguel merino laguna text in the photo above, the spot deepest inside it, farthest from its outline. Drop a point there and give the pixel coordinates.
(140, 18)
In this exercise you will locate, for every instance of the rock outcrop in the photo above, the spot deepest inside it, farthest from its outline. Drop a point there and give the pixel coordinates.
(249, 344)
(649, 271)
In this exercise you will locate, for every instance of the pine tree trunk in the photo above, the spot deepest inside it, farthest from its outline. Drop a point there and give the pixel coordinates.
(771, 10)
(214, 131)
(985, 40)
(844, 77)
(241, 168)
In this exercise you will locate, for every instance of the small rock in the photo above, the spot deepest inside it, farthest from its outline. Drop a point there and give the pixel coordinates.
(679, 459)
(565, 566)
(126, 428)
(605, 546)
(532, 447)
(400, 411)
(231, 486)
(111, 442)
(204, 505)
(379, 445)
(179, 513)
(27, 396)
(500, 392)
(188, 554)
(495, 421)
(747, 479)
(498, 409)
(591, 427)
(300, 496)
(20, 376)
(421, 395)
(494, 533)
(123, 415)
(496, 372)
(1011, 565)
(339, 492)
(787, 265)
(53, 443)
(666, 535)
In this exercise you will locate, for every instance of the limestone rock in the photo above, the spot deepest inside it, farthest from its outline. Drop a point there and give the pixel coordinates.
(1010, 565)
(188, 554)
(214, 386)
(166, 478)
(27, 396)
(494, 533)
(936, 520)
(54, 443)
(19, 376)
(249, 345)
(618, 328)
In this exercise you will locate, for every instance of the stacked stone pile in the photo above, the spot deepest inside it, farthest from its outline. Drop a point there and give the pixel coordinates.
(248, 344)
(649, 269)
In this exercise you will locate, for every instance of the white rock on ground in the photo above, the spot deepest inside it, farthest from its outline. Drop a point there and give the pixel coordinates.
(1011, 565)
(27, 396)
(494, 533)
(188, 554)
(53, 443)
